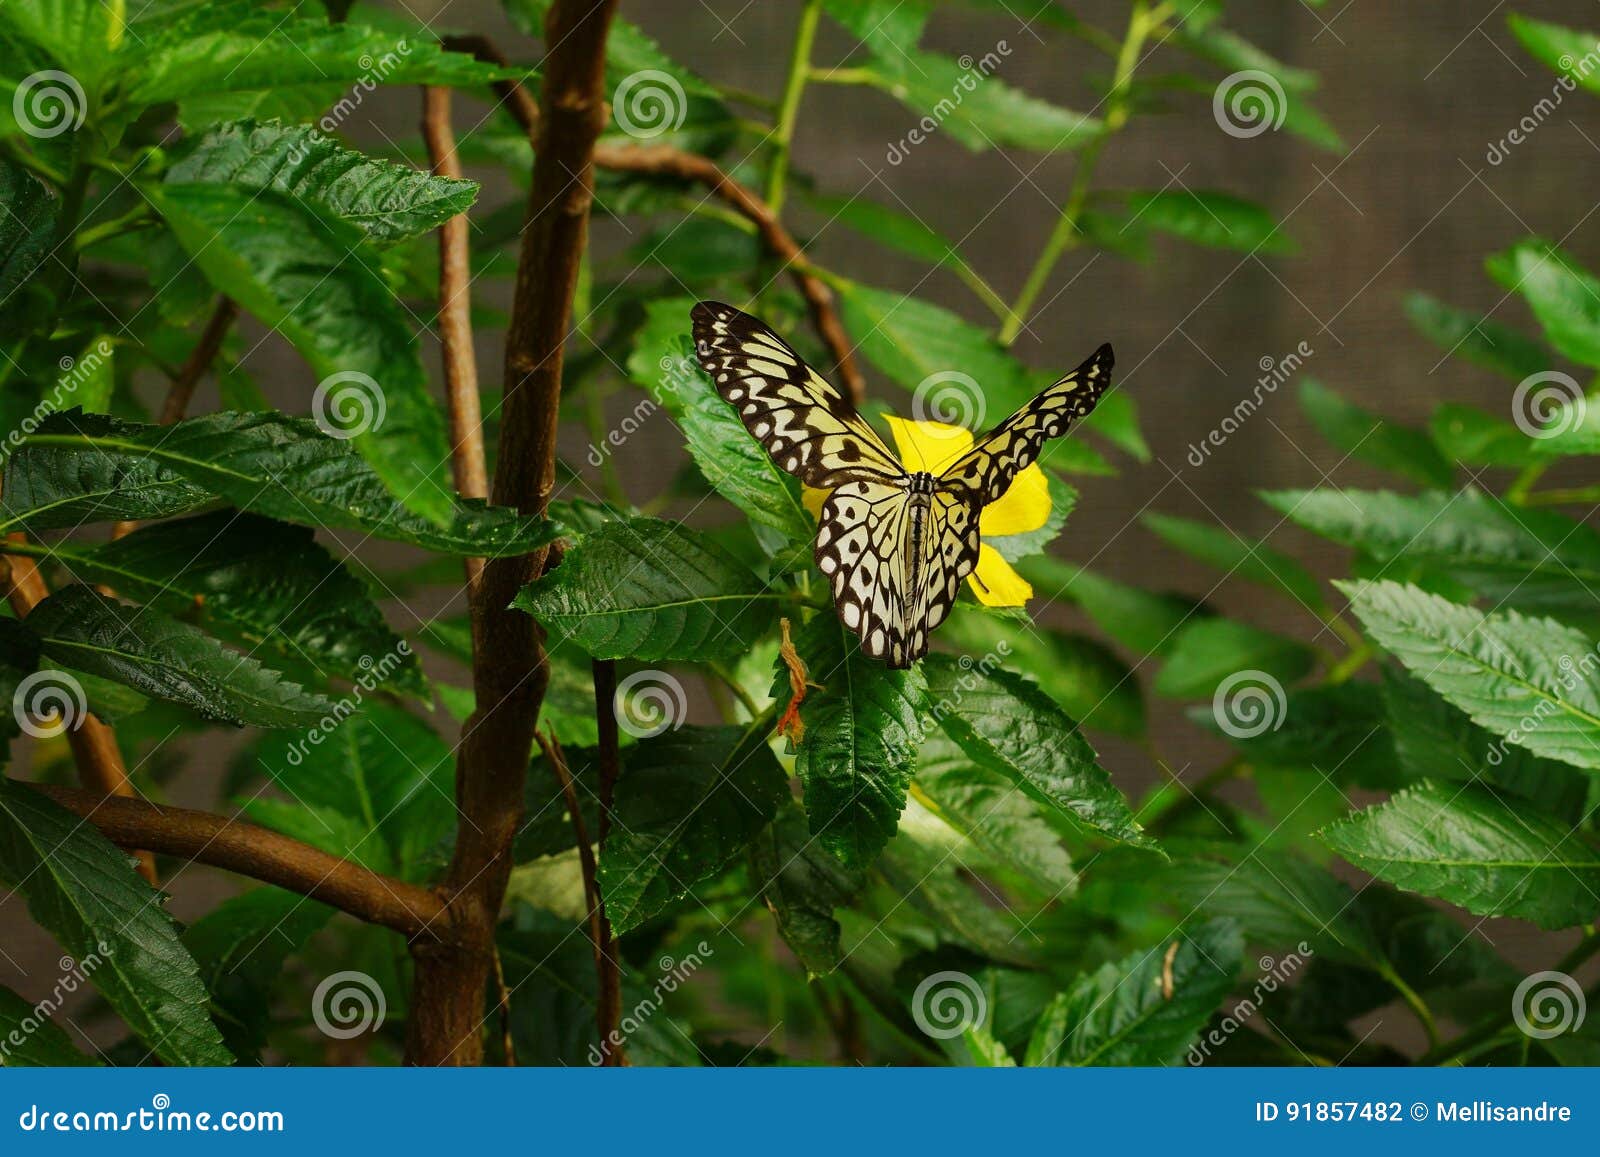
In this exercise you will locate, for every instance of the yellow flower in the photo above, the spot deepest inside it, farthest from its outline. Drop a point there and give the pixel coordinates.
(932, 446)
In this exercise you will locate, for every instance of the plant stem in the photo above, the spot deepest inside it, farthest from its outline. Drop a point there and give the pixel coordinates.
(789, 107)
(1065, 234)
(1342, 670)
(1518, 492)
(1415, 1002)
(1573, 496)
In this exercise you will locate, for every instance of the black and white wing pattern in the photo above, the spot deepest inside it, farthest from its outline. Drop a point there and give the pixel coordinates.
(811, 429)
(986, 471)
(894, 559)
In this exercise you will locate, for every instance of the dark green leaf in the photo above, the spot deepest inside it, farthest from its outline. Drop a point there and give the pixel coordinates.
(802, 884)
(30, 1039)
(1472, 437)
(1217, 220)
(1477, 339)
(1563, 295)
(1255, 562)
(1208, 651)
(1363, 435)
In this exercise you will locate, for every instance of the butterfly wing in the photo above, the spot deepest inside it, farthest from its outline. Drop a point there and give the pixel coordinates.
(986, 471)
(811, 429)
(895, 561)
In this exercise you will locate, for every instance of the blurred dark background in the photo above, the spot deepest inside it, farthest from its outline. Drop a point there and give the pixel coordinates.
(1418, 91)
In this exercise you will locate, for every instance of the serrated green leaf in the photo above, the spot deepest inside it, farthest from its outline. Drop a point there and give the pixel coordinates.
(1121, 1014)
(1255, 562)
(1464, 845)
(282, 467)
(166, 659)
(1525, 679)
(85, 892)
(30, 1039)
(1009, 726)
(1143, 621)
(389, 203)
(802, 883)
(651, 590)
(1563, 295)
(1477, 339)
(27, 231)
(314, 279)
(688, 803)
(1339, 730)
(1364, 435)
(1206, 217)
(1207, 651)
(1472, 437)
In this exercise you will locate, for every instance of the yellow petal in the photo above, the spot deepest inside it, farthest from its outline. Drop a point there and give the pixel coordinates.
(995, 582)
(1023, 507)
(928, 446)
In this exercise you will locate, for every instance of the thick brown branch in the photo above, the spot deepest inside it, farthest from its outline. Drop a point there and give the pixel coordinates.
(93, 743)
(455, 321)
(261, 854)
(666, 161)
(509, 668)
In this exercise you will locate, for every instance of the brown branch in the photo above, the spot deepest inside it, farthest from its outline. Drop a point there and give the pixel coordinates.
(181, 390)
(510, 672)
(93, 743)
(666, 161)
(455, 321)
(609, 757)
(261, 854)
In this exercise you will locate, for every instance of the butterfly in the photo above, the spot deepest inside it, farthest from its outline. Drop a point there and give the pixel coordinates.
(894, 544)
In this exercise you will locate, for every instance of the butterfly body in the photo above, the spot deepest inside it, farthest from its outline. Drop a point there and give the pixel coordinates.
(894, 544)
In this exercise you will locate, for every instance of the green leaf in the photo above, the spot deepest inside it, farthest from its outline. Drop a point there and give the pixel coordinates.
(1563, 295)
(166, 659)
(687, 804)
(1205, 217)
(1120, 1014)
(19, 658)
(387, 202)
(972, 106)
(85, 892)
(1532, 558)
(732, 461)
(1477, 339)
(1339, 730)
(1007, 725)
(651, 590)
(259, 583)
(241, 947)
(30, 1039)
(1529, 680)
(1228, 49)
(1208, 651)
(1225, 550)
(1472, 437)
(314, 279)
(1565, 51)
(1363, 435)
(862, 730)
(27, 231)
(81, 35)
(281, 467)
(1464, 845)
(802, 883)
(1140, 620)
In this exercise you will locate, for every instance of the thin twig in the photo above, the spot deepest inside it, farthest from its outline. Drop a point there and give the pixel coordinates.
(455, 322)
(608, 756)
(261, 854)
(508, 1043)
(666, 161)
